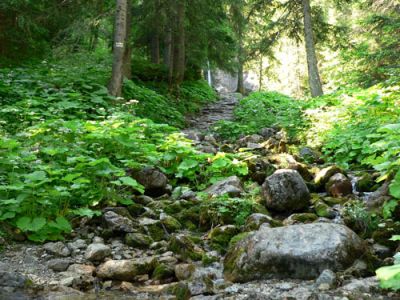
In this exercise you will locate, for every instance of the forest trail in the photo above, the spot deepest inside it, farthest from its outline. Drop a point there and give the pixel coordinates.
(221, 110)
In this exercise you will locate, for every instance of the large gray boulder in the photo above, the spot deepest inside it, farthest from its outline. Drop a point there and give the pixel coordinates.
(297, 251)
(285, 191)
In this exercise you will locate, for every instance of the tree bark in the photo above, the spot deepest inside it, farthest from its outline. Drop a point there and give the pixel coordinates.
(155, 49)
(240, 84)
(179, 44)
(127, 64)
(167, 48)
(312, 62)
(115, 84)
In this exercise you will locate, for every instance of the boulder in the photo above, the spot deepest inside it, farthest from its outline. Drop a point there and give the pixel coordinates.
(323, 175)
(57, 249)
(285, 191)
(181, 244)
(97, 252)
(118, 222)
(59, 264)
(231, 186)
(126, 270)
(297, 251)
(267, 132)
(339, 186)
(154, 181)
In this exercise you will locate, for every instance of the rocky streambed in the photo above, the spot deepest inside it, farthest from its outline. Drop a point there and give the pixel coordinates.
(306, 236)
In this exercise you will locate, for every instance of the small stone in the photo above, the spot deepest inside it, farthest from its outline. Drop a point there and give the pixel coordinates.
(57, 249)
(138, 240)
(58, 264)
(98, 240)
(97, 252)
(327, 280)
(77, 245)
(184, 271)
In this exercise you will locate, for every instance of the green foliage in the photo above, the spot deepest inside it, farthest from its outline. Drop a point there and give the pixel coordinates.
(389, 276)
(225, 210)
(264, 109)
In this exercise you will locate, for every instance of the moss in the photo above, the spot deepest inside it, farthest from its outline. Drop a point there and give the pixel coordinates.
(209, 259)
(220, 237)
(156, 231)
(136, 209)
(181, 291)
(333, 201)
(138, 240)
(365, 183)
(230, 260)
(171, 224)
(237, 238)
(323, 210)
(184, 246)
(304, 217)
(162, 272)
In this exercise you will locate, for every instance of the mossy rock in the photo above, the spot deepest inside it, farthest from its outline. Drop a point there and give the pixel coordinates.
(153, 228)
(220, 236)
(171, 224)
(181, 244)
(181, 291)
(365, 183)
(254, 221)
(237, 238)
(300, 218)
(322, 177)
(209, 259)
(136, 209)
(138, 240)
(331, 201)
(323, 210)
(163, 272)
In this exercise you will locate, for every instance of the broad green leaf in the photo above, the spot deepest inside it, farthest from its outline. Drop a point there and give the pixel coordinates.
(37, 224)
(24, 223)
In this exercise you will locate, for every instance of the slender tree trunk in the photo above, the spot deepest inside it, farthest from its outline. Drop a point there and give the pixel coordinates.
(167, 48)
(261, 70)
(240, 84)
(179, 48)
(155, 49)
(115, 84)
(313, 73)
(127, 64)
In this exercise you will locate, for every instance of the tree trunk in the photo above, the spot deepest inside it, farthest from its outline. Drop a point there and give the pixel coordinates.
(179, 44)
(115, 84)
(313, 73)
(127, 64)
(261, 70)
(155, 49)
(167, 48)
(240, 85)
